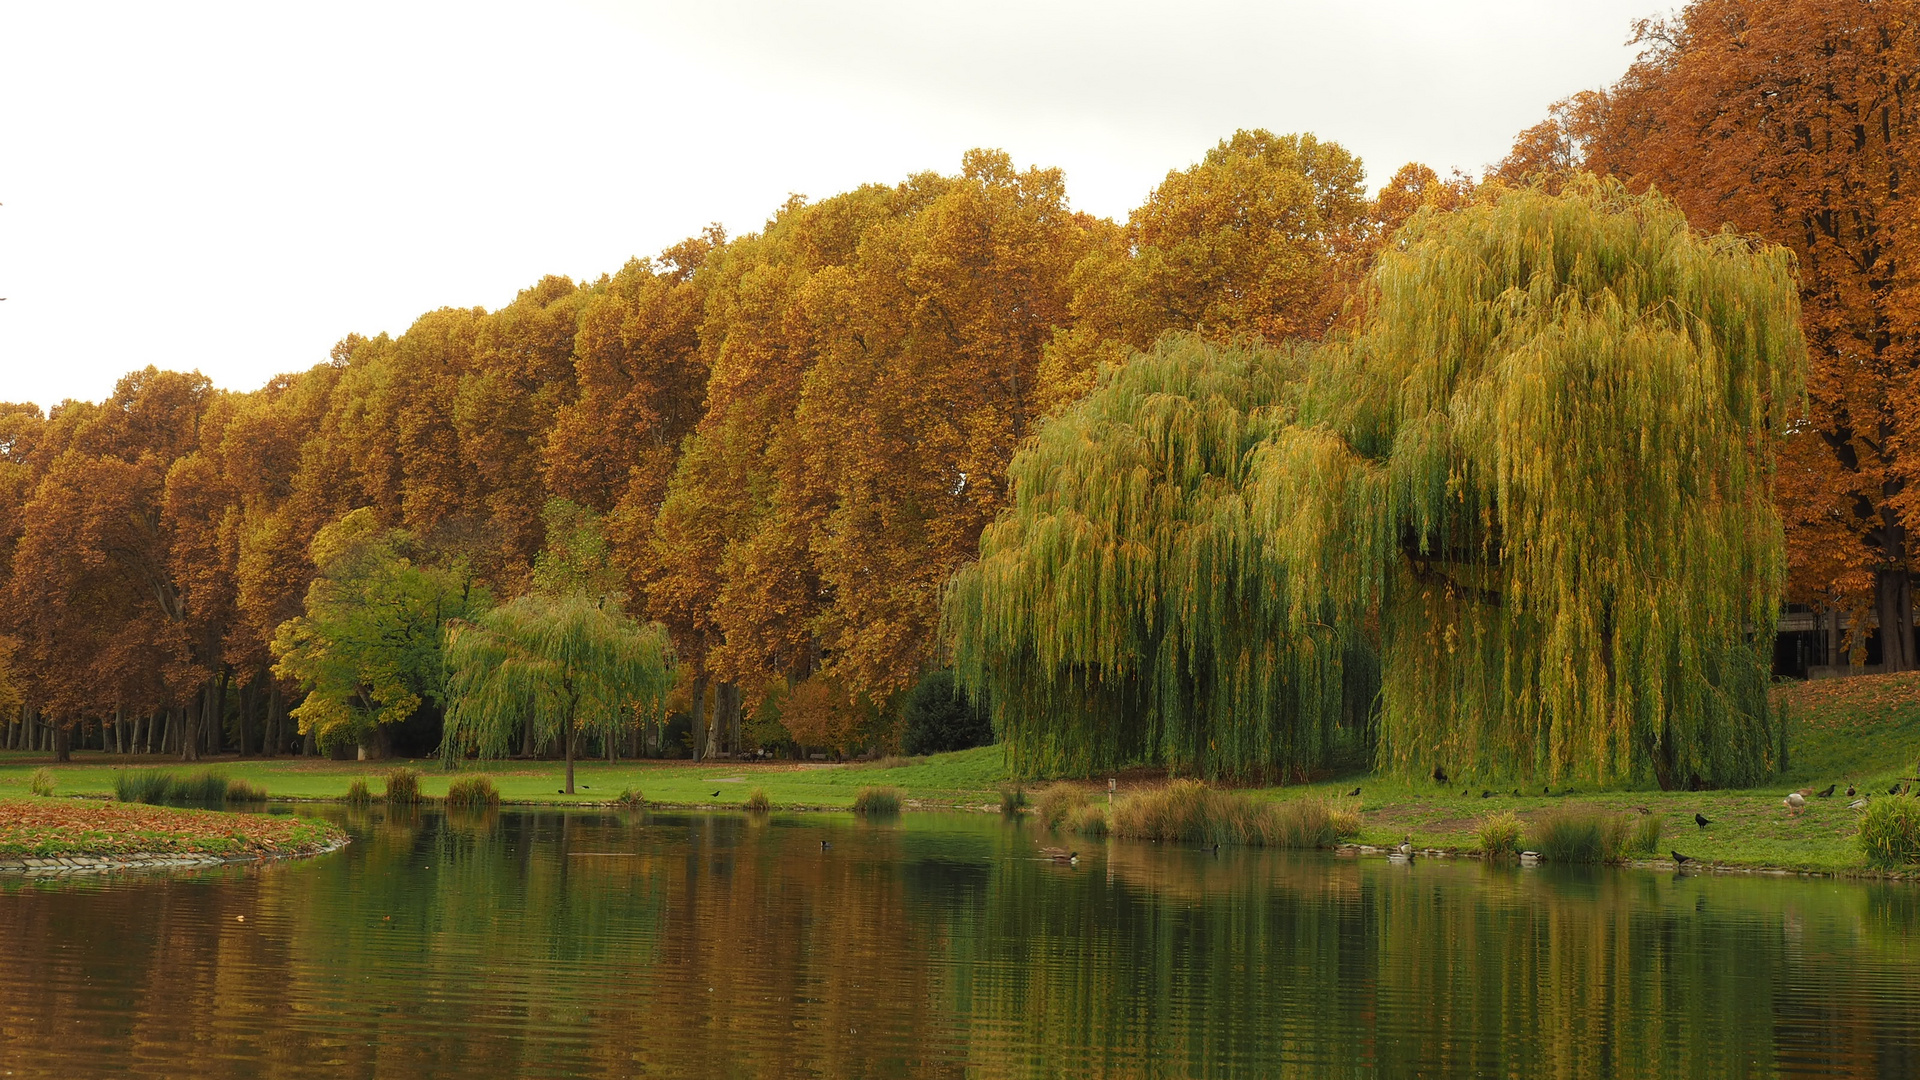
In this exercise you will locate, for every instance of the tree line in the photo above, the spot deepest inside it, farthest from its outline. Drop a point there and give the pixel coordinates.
(786, 441)
(791, 441)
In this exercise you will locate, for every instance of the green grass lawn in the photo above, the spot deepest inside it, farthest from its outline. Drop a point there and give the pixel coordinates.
(1864, 731)
(965, 778)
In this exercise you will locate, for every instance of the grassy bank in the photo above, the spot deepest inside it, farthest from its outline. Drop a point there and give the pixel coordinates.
(1863, 731)
(45, 827)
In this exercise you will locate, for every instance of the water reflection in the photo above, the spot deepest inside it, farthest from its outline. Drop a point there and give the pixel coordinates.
(505, 943)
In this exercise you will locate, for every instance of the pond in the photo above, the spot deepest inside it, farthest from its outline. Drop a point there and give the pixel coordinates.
(534, 944)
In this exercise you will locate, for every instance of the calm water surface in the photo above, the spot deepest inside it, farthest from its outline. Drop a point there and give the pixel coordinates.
(579, 944)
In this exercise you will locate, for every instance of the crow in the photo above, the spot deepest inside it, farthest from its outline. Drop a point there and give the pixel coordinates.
(715, 795)
(1827, 794)
(1701, 821)
(1679, 859)
(1352, 793)
(1439, 775)
(1486, 794)
(1544, 791)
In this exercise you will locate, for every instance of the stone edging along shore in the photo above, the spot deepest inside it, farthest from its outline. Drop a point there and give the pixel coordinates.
(64, 865)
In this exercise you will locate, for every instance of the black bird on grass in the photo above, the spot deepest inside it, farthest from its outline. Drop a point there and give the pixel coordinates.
(1679, 859)
(1827, 794)
(715, 795)
(1701, 820)
(1439, 775)
(1352, 793)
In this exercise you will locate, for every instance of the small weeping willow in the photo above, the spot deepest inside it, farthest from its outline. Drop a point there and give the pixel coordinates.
(566, 664)
(1127, 608)
(1543, 469)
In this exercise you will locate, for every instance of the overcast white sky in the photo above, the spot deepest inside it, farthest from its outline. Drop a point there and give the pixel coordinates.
(234, 188)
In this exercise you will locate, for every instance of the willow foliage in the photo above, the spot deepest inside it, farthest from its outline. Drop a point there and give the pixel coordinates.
(1535, 483)
(1126, 607)
(1543, 469)
(566, 664)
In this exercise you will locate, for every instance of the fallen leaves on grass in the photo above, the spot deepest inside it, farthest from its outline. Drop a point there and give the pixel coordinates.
(1857, 703)
(42, 827)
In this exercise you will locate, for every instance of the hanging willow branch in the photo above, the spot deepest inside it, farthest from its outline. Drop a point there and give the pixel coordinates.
(565, 664)
(1545, 466)
(1126, 607)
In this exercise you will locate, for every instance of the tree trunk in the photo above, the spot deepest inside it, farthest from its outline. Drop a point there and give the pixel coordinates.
(1894, 596)
(217, 715)
(276, 738)
(699, 725)
(62, 742)
(191, 717)
(567, 738)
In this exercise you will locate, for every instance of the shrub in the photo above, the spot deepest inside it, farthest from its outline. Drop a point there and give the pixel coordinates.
(240, 791)
(1013, 799)
(41, 782)
(631, 799)
(1590, 836)
(403, 787)
(877, 801)
(1890, 831)
(1088, 819)
(208, 787)
(1499, 835)
(891, 761)
(757, 801)
(473, 791)
(1187, 811)
(1058, 802)
(941, 718)
(357, 793)
(142, 785)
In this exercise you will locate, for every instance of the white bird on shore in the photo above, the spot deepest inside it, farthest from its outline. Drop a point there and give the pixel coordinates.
(1857, 804)
(1794, 802)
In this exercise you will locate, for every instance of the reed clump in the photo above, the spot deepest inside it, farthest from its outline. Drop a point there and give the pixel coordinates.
(357, 794)
(403, 787)
(242, 791)
(757, 801)
(1188, 811)
(1499, 835)
(1058, 803)
(631, 799)
(1013, 799)
(1890, 831)
(41, 782)
(1089, 819)
(1592, 836)
(208, 787)
(148, 786)
(878, 801)
(473, 791)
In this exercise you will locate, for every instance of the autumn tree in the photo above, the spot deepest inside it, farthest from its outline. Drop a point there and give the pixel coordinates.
(1796, 121)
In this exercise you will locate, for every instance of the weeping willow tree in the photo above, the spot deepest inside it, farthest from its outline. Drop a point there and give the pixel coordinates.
(1543, 469)
(1126, 608)
(567, 664)
(1533, 486)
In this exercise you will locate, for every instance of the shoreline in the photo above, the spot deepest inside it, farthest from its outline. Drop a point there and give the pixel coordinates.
(74, 864)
